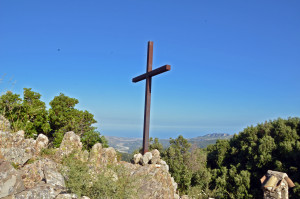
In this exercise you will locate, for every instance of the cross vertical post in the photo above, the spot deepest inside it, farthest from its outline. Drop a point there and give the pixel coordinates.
(148, 76)
(147, 99)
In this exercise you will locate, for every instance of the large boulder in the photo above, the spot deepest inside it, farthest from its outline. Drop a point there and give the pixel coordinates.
(10, 180)
(70, 143)
(109, 156)
(33, 173)
(95, 154)
(15, 148)
(16, 155)
(152, 176)
(9, 140)
(153, 181)
(155, 156)
(102, 156)
(41, 143)
(146, 158)
(44, 191)
(54, 177)
(43, 170)
(136, 158)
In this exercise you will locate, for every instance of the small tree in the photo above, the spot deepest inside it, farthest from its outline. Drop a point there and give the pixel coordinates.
(177, 156)
(90, 138)
(155, 144)
(65, 117)
(35, 114)
(11, 108)
(29, 114)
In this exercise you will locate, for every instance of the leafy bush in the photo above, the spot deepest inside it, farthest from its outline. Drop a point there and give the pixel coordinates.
(90, 138)
(30, 114)
(111, 182)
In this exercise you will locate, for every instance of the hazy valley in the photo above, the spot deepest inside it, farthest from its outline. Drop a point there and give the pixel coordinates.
(128, 145)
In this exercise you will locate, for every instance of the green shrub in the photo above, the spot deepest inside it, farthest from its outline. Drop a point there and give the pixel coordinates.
(111, 182)
(48, 152)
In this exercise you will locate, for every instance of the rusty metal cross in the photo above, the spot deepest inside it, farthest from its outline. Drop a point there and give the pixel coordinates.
(148, 76)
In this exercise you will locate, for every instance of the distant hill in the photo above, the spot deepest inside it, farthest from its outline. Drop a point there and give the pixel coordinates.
(128, 145)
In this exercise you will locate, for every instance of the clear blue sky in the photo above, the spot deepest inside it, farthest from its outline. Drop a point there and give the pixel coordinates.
(234, 63)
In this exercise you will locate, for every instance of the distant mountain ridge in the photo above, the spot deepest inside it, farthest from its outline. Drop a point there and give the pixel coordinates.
(128, 145)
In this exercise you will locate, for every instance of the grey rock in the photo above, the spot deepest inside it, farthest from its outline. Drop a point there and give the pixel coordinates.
(10, 180)
(155, 156)
(95, 154)
(109, 156)
(146, 158)
(152, 182)
(102, 156)
(42, 191)
(32, 173)
(41, 143)
(174, 184)
(71, 142)
(155, 153)
(11, 139)
(136, 158)
(164, 164)
(16, 155)
(53, 177)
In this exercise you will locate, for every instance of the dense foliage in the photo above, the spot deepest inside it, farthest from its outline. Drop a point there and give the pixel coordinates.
(238, 164)
(233, 168)
(30, 114)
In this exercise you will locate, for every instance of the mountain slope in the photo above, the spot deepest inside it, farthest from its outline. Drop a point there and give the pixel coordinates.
(128, 145)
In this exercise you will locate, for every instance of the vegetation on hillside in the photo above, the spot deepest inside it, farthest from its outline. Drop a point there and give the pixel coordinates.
(232, 168)
(237, 165)
(30, 114)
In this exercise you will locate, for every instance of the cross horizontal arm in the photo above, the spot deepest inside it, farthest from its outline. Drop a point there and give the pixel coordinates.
(152, 73)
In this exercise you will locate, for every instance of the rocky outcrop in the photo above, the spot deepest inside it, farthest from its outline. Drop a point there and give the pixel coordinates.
(70, 143)
(15, 148)
(24, 174)
(102, 156)
(153, 174)
(33, 177)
